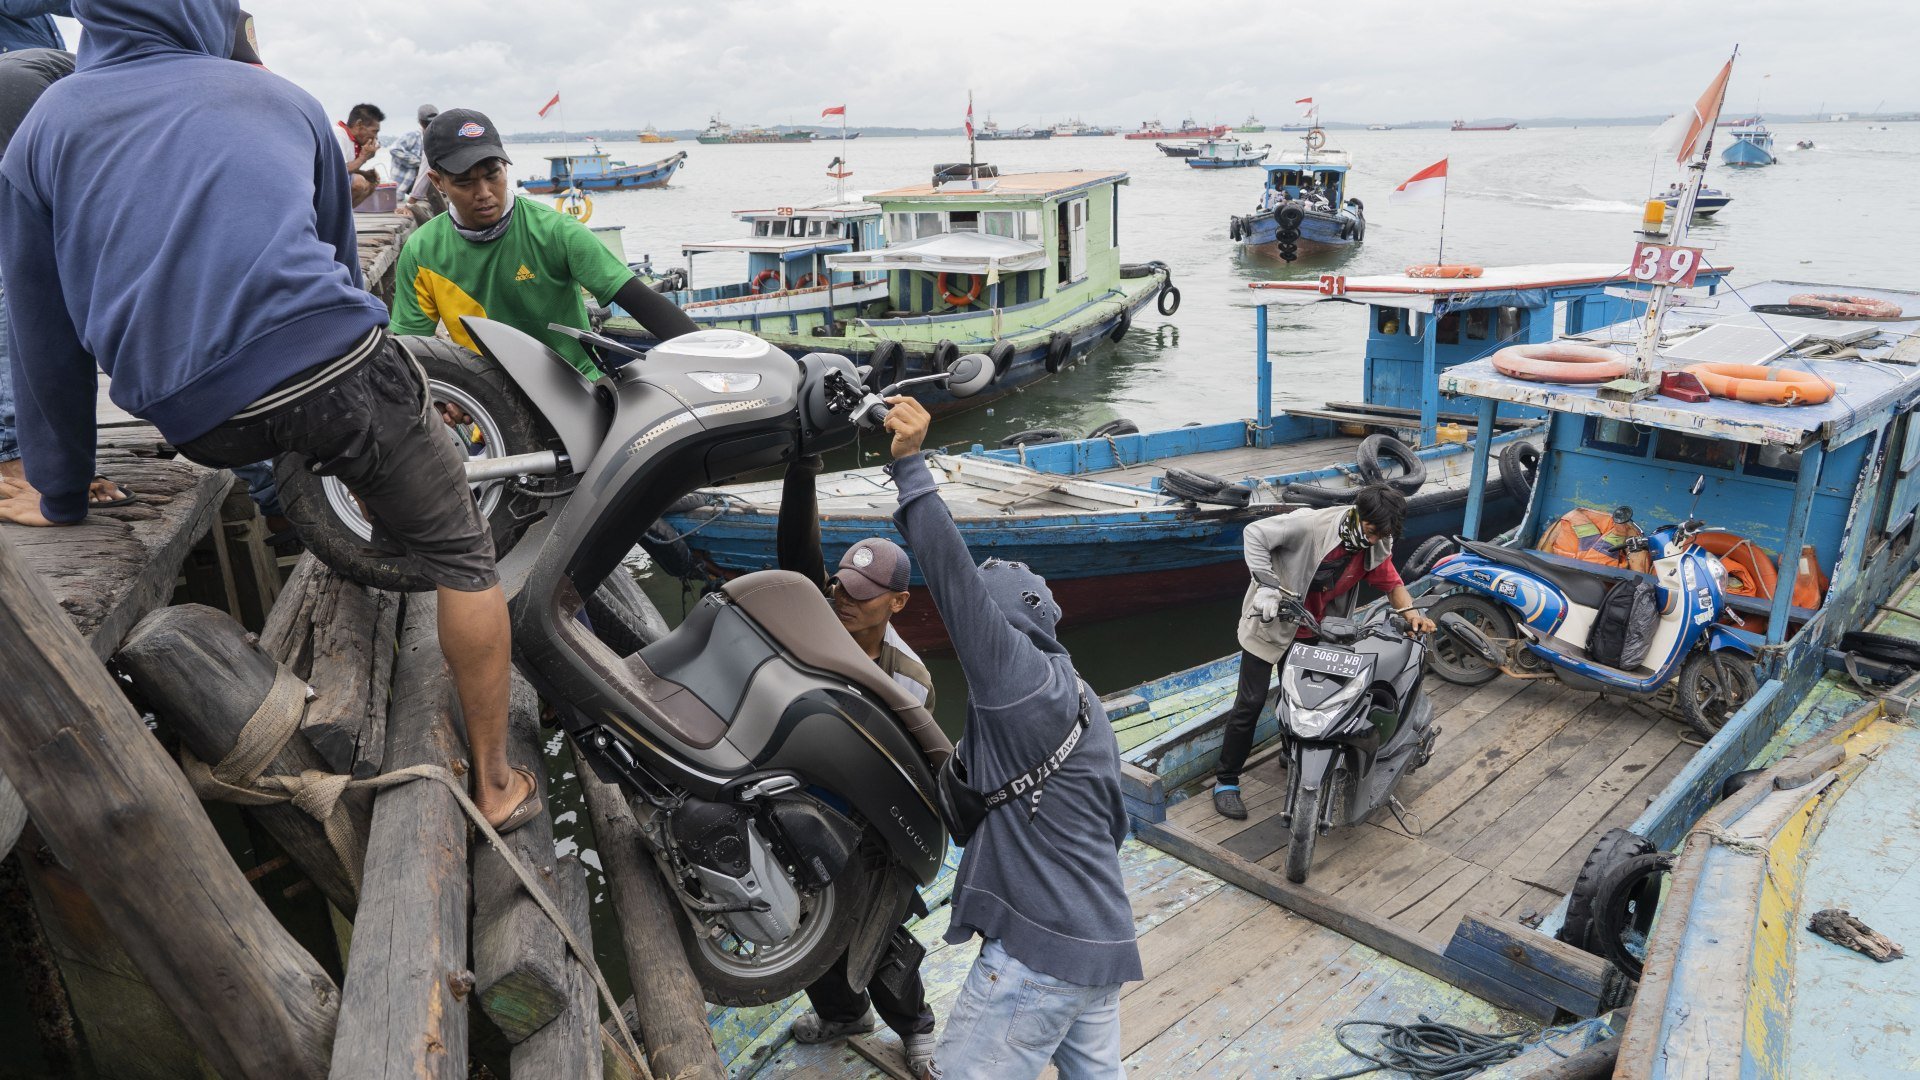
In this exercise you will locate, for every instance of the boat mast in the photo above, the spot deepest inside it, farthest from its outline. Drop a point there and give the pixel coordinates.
(1649, 349)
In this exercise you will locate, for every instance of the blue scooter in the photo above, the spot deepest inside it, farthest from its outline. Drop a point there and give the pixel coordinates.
(1530, 616)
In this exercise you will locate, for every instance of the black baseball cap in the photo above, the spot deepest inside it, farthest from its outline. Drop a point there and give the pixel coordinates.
(459, 139)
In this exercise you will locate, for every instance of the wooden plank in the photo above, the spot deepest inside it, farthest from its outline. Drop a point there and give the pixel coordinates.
(1175, 993)
(569, 1044)
(1376, 885)
(1336, 993)
(1457, 740)
(1171, 942)
(404, 1007)
(1362, 926)
(119, 816)
(1497, 890)
(1145, 796)
(1575, 979)
(1502, 740)
(1566, 868)
(1556, 830)
(1418, 915)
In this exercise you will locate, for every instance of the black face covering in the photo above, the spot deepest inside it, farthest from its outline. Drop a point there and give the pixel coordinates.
(1352, 536)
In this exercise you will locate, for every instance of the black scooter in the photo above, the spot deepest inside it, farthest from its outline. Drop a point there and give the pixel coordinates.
(784, 784)
(1354, 721)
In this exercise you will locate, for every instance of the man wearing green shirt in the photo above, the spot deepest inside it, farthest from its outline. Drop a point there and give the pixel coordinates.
(511, 260)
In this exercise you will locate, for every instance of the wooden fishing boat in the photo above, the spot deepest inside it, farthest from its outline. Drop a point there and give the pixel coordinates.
(1227, 154)
(1303, 208)
(598, 172)
(1750, 148)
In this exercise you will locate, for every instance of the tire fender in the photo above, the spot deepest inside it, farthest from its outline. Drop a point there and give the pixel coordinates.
(1059, 347)
(555, 389)
(1316, 767)
(1002, 354)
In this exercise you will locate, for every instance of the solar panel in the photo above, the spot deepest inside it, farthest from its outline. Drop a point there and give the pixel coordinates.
(1725, 343)
(1840, 333)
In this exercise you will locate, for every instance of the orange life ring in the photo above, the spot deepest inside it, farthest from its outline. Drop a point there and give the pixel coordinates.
(1751, 572)
(960, 299)
(1444, 270)
(1762, 385)
(810, 281)
(1560, 363)
(765, 276)
(1848, 307)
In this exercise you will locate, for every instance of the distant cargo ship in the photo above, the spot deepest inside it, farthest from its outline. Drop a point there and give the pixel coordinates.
(652, 135)
(719, 131)
(1152, 129)
(991, 131)
(1462, 125)
(1251, 125)
(1075, 129)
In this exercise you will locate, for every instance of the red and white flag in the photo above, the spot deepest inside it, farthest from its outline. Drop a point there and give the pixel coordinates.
(1308, 102)
(1706, 112)
(837, 110)
(549, 105)
(1428, 183)
(969, 117)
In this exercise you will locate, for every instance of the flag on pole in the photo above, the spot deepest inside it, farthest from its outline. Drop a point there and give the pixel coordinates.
(1428, 183)
(1308, 102)
(969, 117)
(1303, 101)
(837, 110)
(1706, 112)
(549, 105)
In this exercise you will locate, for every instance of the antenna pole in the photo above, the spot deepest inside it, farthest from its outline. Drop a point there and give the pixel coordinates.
(1441, 259)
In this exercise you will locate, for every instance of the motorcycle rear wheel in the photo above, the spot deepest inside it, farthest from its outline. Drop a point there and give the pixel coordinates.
(742, 974)
(1451, 659)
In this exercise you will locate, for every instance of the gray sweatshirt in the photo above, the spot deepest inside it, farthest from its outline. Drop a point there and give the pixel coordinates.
(1049, 888)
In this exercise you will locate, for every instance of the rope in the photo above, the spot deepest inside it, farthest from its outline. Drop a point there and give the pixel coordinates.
(1430, 1050)
(236, 779)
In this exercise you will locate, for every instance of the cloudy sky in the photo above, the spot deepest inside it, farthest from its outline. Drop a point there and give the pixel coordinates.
(673, 63)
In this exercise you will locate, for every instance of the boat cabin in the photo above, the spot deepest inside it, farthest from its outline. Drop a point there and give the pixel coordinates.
(785, 249)
(1002, 243)
(566, 169)
(1298, 174)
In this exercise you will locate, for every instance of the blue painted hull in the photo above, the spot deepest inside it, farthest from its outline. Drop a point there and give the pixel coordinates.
(1319, 232)
(1744, 154)
(1224, 163)
(622, 179)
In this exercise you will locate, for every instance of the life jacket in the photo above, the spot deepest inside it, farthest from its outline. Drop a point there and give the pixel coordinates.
(1751, 570)
(1594, 536)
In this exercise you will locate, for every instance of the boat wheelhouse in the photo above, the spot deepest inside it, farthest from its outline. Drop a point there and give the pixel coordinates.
(1303, 208)
(1226, 154)
(597, 171)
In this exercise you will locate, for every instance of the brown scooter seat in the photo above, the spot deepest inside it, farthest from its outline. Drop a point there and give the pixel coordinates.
(790, 607)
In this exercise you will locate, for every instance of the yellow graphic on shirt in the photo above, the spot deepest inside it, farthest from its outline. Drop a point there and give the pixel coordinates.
(442, 300)
(524, 274)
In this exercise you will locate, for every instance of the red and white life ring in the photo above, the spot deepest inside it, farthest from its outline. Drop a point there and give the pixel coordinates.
(760, 280)
(1557, 362)
(964, 297)
(1848, 307)
(810, 281)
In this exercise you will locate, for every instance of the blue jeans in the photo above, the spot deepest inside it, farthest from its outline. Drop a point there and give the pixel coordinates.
(9, 442)
(1010, 1020)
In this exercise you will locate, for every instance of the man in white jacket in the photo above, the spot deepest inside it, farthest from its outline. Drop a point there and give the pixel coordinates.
(1319, 557)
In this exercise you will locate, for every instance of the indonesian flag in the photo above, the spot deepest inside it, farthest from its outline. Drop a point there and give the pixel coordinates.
(1706, 112)
(969, 117)
(837, 110)
(549, 105)
(1428, 183)
(1308, 102)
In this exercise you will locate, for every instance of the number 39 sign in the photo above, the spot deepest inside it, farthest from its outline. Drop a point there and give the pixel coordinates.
(1658, 264)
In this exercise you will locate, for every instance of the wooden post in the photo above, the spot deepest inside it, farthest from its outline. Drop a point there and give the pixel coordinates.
(569, 1045)
(119, 816)
(338, 636)
(669, 1004)
(520, 962)
(403, 1011)
(205, 679)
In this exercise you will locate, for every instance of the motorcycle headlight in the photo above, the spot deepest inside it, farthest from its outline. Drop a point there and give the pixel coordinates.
(1716, 570)
(1312, 722)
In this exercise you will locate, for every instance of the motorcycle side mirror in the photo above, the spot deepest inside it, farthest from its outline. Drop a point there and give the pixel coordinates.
(1699, 485)
(1622, 514)
(969, 375)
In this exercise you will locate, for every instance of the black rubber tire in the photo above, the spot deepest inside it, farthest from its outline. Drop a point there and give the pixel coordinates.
(1187, 481)
(888, 363)
(1002, 355)
(1413, 471)
(1233, 229)
(668, 551)
(1315, 495)
(1059, 347)
(1138, 270)
(1122, 426)
(1431, 550)
(854, 893)
(1428, 502)
(1712, 687)
(1627, 898)
(944, 354)
(622, 616)
(1887, 647)
(1734, 782)
(1120, 327)
(1461, 666)
(1288, 214)
(1305, 832)
(1519, 469)
(1036, 436)
(522, 429)
(1169, 301)
(1615, 846)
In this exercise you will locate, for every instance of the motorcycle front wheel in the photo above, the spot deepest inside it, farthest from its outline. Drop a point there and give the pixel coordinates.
(741, 973)
(1450, 658)
(1306, 830)
(1712, 687)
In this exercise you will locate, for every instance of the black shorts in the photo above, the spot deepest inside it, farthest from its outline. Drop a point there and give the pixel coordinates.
(376, 429)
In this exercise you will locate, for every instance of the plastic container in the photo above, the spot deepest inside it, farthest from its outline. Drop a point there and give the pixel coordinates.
(1450, 433)
(384, 200)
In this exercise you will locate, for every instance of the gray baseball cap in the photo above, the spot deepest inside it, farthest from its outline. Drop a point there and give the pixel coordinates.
(426, 114)
(873, 566)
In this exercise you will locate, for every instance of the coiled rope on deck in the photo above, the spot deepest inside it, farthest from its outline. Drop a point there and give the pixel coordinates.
(1431, 1050)
(237, 778)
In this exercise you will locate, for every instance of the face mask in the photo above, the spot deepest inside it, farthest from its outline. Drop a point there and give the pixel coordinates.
(492, 232)
(1352, 537)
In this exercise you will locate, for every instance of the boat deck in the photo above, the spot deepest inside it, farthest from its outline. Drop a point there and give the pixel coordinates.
(1525, 777)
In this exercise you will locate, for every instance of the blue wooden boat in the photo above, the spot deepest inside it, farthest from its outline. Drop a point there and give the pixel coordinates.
(1093, 514)
(1226, 154)
(1750, 148)
(598, 172)
(1303, 209)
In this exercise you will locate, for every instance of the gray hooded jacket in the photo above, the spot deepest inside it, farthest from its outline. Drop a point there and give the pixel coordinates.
(1282, 552)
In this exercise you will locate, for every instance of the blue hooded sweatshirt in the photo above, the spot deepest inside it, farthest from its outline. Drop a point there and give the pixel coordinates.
(179, 219)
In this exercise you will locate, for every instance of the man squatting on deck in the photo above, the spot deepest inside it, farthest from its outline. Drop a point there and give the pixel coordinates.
(242, 334)
(1039, 880)
(1320, 556)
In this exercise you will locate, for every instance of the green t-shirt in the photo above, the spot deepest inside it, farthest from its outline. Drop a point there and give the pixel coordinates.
(529, 277)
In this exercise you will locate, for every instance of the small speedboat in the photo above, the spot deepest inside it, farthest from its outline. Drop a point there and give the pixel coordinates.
(1710, 202)
(1180, 149)
(1803, 144)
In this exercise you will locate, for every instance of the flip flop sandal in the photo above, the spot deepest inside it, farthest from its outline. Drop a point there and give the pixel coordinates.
(529, 808)
(126, 499)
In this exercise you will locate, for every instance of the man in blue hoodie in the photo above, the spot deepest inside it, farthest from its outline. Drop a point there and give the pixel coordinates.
(1039, 880)
(240, 330)
(28, 24)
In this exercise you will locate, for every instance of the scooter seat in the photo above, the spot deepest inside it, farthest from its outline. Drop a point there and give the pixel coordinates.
(1584, 587)
(791, 609)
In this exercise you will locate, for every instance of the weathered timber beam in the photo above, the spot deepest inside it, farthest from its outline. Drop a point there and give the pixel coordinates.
(120, 817)
(568, 1045)
(670, 1006)
(205, 679)
(403, 1011)
(339, 636)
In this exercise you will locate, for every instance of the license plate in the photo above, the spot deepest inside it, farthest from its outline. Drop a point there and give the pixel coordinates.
(1347, 665)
